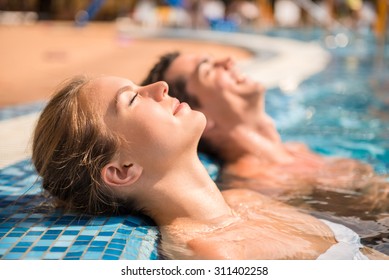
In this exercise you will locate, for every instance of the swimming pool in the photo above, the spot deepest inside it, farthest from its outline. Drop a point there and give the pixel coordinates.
(342, 111)
(339, 111)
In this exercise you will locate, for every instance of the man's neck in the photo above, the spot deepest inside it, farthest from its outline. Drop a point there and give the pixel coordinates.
(257, 140)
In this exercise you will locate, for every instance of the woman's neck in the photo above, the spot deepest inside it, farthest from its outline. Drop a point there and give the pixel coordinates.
(186, 192)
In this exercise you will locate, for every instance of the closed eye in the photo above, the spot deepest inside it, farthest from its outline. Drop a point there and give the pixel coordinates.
(205, 69)
(133, 99)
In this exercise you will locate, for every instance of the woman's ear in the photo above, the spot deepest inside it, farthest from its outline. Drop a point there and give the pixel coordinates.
(121, 175)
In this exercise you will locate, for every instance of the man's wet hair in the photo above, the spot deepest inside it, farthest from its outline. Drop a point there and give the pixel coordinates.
(177, 87)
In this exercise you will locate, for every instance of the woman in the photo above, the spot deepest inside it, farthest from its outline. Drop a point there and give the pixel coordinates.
(106, 145)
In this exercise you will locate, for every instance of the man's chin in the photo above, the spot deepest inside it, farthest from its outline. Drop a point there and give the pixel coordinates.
(260, 88)
(253, 92)
(253, 86)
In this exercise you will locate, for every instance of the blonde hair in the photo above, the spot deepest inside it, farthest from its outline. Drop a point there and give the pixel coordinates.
(70, 148)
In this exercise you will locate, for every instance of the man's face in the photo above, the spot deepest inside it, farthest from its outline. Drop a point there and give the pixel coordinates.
(223, 92)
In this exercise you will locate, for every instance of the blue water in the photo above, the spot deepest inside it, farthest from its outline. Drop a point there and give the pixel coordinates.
(342, 111)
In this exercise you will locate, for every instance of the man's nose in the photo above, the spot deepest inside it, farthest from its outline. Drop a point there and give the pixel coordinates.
(227, 62)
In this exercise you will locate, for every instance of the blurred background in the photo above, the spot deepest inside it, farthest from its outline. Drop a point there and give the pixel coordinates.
(44, 41)
(226, 14)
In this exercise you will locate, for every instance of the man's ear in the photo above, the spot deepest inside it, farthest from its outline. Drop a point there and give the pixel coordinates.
(117, 175)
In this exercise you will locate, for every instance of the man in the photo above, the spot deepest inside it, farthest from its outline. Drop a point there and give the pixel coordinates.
(243, 135)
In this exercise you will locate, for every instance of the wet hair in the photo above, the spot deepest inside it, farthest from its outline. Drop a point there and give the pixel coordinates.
(70, 147)
(177, 88)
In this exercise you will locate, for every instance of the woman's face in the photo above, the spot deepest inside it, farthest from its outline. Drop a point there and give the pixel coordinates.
(155, 126)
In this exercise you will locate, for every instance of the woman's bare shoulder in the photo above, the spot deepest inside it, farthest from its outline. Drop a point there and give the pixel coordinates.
(190, 239)
(205, 248)
(257, 208)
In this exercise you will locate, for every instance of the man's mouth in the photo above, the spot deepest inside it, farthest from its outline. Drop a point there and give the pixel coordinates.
(241, 78)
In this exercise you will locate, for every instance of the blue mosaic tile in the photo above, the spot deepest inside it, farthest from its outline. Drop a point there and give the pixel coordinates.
(81, 243)
(102, 238)
(36, 255)
(110, 257)
(118, 241)
(18, 249)
(13, 256)
(61, 243)
(90, 232)
(99, 243)
(35, 233)
(74, 254)
(66, 238)
(106, 233)
(9, 240)
(116, 246)
(31, 230)
(27, 239)
(70, 232)
(58, 249)
(85, 238)
(40, 248)
(53, 256)
(90, 255)
(113, 252)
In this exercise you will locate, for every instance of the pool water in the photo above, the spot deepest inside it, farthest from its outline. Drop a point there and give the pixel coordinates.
(342, 111)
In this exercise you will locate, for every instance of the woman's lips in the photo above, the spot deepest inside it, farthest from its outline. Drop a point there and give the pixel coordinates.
(179, 106)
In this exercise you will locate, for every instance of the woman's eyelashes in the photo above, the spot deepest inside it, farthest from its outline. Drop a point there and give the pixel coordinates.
(133, 99)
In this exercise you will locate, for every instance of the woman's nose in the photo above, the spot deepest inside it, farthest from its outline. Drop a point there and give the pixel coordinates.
(158, 91)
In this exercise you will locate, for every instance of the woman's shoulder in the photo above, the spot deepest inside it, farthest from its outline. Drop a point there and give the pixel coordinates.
(251, 234)
(205, 248)
(191, 239)
(255, 208)
(221, 239)
(245, 240)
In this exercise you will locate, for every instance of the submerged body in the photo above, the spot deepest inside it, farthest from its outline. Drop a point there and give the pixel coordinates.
(302, 176)
(252, 233)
